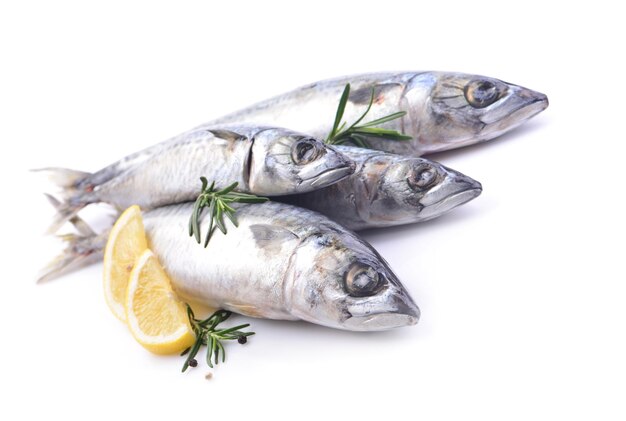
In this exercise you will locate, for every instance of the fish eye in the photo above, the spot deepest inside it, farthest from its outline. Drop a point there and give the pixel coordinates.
(305, 151)
(363, 280)
(422, 177)
(481, 93)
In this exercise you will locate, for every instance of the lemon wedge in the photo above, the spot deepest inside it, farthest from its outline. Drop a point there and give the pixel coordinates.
(156, 317)
(126, 242)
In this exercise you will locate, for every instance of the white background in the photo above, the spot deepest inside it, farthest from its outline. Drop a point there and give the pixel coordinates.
(522, 291)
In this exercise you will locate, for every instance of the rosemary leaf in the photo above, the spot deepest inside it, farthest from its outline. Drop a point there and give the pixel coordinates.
(232, 218)
(207, 333)
(360, 141)
(217, 200)
(220, 347)
(194, 350)
(215, 350)
(219, 220)
(382, 133)
(227, 190)
(385, 119)
(233, 329)
(358, 134)
(194, 224)
(340, 110)
(209, 350)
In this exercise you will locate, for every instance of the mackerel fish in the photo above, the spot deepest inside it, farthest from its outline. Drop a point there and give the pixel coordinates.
(445, 110)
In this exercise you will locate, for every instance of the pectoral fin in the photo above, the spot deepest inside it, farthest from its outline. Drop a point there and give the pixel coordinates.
(269, 235)
(245, 309)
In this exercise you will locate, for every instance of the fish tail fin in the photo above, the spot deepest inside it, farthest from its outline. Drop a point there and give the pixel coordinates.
(75, 193)
(64, 177)
(81, 249)
(70, 216)
(65, 212)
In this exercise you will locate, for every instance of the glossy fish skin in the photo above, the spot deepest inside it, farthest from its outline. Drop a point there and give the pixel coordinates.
(266, 161)
(444, 110)
(282, 262)
(388, 190)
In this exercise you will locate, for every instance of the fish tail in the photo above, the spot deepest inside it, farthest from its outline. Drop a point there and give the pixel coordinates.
(64, 177)
(75, 192)
(81, 249)
(79, 252)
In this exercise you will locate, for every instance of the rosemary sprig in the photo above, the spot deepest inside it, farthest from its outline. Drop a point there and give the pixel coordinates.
(359, 134)
(208, 334)
(218, 203)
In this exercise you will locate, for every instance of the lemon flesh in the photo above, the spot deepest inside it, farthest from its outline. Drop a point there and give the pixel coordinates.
(156, 317)
(126, 242)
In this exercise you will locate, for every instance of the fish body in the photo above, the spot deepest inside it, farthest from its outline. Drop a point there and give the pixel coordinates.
(265, 161)
(444, 110)
(280, 262)
(389, 189)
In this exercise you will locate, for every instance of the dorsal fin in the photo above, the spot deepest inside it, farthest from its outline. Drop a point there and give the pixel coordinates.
(227, 135)
(364, 94)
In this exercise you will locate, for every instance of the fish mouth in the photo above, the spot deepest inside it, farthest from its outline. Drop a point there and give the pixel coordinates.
(525, 105)
(382, 321)
(529, 109)
(329, 176)
(539, 104)
(451, 201)
(402, 312)
(460, 198)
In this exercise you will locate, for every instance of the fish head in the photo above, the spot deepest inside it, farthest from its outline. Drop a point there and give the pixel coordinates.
(285, 162)
(408, 190)
(464, 109)
(339, 281)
